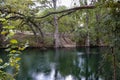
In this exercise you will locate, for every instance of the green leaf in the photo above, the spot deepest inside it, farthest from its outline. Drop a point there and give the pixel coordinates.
(8, 49)
(11, 33)
(2, 19)
(8, 27)
(18, 52)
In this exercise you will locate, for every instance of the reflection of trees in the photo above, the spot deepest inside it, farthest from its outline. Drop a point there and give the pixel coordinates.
(66, 62)
(84, 65)
(107, 64)
(67, 65)
(90, 65)
(34, 61)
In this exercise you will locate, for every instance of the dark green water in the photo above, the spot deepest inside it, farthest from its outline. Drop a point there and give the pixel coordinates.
(65, 64)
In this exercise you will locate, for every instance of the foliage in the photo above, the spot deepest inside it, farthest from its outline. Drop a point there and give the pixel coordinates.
(102, 24)
(14, 50)
(5, 76)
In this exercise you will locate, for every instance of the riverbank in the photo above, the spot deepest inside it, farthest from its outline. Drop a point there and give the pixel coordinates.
(48, 41)
(66, 42)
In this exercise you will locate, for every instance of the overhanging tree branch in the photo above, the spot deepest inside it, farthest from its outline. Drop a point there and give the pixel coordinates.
(68, 10)
(50, 13)
(65, 14)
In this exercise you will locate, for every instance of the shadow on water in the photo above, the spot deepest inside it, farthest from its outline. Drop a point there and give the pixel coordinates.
(65, 64)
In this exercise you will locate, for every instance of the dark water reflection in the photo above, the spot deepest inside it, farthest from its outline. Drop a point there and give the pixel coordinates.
(64, 64)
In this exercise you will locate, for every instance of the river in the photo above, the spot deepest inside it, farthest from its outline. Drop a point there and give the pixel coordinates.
(65, 64)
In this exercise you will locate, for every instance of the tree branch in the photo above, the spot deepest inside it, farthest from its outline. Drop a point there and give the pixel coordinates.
(65, 14)
(68, 10)
(50, 13)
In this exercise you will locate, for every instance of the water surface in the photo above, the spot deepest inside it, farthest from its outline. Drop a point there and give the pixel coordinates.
(64, 64)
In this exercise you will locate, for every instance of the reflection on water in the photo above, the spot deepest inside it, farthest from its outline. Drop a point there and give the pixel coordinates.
(62, 64)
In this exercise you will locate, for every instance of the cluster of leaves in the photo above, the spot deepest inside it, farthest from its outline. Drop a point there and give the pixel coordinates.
(14, 50)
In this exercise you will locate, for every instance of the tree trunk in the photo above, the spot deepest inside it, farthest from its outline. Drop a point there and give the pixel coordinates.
(35, 34)
(56, 33)
(40, 30)
(98, 40)
(1, 36)
(41, 33)
(87, 42)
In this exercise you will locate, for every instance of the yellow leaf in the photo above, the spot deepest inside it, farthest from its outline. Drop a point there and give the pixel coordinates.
(13, 51)
(12, 64)
(4, 32)
(13, 41)
(1, 60)
(21, 48)
(2, 19)
(17, 59)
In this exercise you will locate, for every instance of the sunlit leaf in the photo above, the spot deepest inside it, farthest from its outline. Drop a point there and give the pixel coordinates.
(5, 65)
(1, 61)
(18, 59)
(21, 48)
(8, 27)
(13, 41)
(11, 33)
(4, 32)
(2, 19)
(12, 64)
(13, 51)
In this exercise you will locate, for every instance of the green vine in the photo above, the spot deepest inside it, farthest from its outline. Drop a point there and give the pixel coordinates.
(13, 48)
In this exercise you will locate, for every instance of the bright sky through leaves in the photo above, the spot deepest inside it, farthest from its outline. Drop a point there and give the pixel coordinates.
(68, 3)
